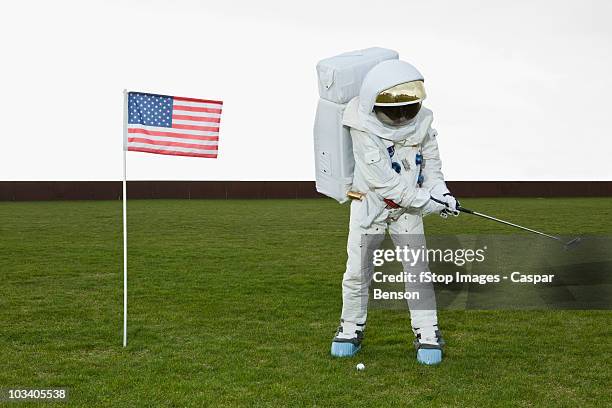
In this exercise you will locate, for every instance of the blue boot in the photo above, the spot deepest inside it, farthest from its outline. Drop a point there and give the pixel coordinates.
(428, 344)
(347, 341)
(429, 356)
(339, 349)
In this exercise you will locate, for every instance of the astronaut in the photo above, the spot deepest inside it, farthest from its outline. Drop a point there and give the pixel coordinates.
(398, 172)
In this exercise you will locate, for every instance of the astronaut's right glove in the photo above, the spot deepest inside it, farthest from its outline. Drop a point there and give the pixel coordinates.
(434, 206)
(452, 204)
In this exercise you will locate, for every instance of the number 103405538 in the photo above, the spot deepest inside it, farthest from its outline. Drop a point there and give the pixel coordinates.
(12, 394)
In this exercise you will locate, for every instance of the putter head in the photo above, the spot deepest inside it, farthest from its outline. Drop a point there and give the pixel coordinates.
(572, 243)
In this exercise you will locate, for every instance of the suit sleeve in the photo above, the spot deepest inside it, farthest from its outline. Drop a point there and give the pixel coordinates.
(433, 179)
(373, 162)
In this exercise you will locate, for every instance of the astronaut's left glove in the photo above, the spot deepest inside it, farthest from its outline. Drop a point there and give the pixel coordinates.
(452, 204)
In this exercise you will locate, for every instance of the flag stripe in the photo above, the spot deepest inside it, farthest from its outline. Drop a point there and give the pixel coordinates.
(172, 131)
(195, 109)
(177, 148)
(196, 118)
(209, 141)
(183, 99)
(194, 127)
(194, 123)
(197, 114)
(175, 144)
(177, 139)
(170, 134)
(198, 104)
(172, 152)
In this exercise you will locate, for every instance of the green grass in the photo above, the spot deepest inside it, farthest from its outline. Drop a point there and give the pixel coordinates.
(234, 303)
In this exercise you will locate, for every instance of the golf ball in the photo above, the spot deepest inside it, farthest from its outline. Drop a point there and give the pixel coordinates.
(360, 367)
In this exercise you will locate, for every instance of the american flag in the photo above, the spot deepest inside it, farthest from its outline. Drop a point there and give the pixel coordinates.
(173, 125)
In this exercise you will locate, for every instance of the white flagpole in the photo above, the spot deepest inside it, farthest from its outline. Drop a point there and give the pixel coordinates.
(125, 119)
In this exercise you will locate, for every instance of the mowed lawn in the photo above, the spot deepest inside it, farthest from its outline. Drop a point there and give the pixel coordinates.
(234, 303)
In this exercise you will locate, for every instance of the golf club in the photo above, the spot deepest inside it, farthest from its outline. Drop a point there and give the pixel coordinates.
(568, 244)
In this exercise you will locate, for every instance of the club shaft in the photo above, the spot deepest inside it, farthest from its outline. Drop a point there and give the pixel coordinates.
(488, 217)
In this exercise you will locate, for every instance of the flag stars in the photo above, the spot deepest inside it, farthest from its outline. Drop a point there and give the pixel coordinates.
(149, 110)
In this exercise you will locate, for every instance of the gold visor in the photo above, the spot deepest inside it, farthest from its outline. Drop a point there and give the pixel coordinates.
(402, 94)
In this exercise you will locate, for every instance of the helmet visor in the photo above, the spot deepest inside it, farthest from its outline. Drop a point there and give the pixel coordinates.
(402, 94)
(397, 115)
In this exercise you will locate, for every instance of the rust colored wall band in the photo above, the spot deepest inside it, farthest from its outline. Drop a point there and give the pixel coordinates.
(111, 190)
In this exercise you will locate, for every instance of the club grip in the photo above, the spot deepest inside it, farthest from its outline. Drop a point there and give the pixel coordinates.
(438, 201)
(465, 210)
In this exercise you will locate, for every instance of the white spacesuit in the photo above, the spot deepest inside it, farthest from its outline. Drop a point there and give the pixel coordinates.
(397, 168)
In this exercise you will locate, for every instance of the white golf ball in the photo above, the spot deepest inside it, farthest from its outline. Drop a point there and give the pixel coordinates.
(360, 367)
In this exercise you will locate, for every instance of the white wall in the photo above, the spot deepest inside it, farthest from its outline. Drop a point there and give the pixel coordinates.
(520, 90)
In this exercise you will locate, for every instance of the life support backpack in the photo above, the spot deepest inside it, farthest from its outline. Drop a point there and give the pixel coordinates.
(340, 79)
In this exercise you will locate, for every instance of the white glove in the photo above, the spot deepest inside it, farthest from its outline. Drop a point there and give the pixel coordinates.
(431, 207)
(452, 204)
